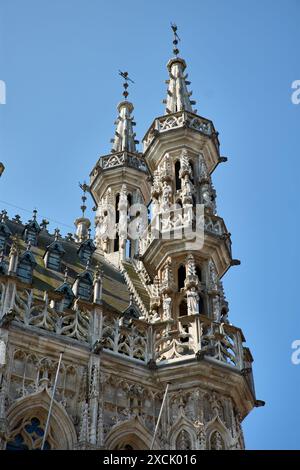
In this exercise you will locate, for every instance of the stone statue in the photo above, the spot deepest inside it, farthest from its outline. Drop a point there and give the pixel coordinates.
(185, 167)
(123, 198)
(203, 167)
(167, 307)
(166, 196)
(187, 191)
(192, 301)
(213, 276)
(190, 266)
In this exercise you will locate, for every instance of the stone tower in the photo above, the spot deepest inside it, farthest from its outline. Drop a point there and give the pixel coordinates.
(138, 311)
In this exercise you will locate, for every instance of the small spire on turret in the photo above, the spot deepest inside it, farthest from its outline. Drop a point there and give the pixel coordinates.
(124, 139)
(178, 96)
(56, 234)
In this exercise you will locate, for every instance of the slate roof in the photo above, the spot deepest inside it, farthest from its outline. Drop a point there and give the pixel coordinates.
(115, 290)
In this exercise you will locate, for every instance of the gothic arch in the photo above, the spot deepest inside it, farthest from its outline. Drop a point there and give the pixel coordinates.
(37, 405)
(182, 425)
(130, 433)
(216, 425)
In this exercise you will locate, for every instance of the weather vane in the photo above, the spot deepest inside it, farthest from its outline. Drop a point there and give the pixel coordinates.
(176, 39)
(125, 84)
(84, 188)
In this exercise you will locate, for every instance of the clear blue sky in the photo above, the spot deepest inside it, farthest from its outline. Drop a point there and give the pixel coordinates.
(60, 60)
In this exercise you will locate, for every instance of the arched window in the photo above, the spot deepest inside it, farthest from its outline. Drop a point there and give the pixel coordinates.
(117, 208)
(199, 273)
(28, 436)
(201, 305)
(192, 168)
(181, 277)
(116, 242)
(183, 308)
(177, 177)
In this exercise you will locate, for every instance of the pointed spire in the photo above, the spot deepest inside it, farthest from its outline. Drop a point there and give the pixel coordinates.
(124, 139)
(178, 96)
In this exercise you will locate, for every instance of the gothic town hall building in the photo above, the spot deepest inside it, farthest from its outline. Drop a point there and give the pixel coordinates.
(132, 316)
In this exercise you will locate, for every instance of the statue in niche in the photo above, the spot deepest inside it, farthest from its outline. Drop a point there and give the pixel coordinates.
(190, 266)
(2, 353)
(203, 168)
(168, 279)
(183, 441)
(187, 190)
(206, 196)
(123, 197)
(192, 301)
(154, 316)
(167, 307)
(213, 277)
(216, 308)
(185, 167)
(166, 196)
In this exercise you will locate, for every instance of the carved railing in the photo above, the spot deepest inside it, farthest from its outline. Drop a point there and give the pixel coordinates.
(116, 159)
(177, 120)
(135, 339)
(73, 323)
(199, 335)
(181, 223)
(132, 341)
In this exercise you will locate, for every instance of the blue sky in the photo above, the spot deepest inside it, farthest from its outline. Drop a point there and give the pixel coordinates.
(60, 62)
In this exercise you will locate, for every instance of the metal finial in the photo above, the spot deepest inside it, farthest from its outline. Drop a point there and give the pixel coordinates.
(56, 234)
(34, 214)
(44, 224)
(176, 39)
(84, 188)
(125, 84)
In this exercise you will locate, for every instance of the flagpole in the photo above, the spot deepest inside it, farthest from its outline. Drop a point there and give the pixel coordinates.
(51, 402)
(159, 416)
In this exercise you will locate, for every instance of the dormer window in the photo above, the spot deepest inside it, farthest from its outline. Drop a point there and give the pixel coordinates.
(25, 266)
(4, 231)
(32, 230)
(84, 290)
(53, 261)
(30, 236)
(54, 254)
(86, 250)
(83, 285)
(2, 242)
(24, 272)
